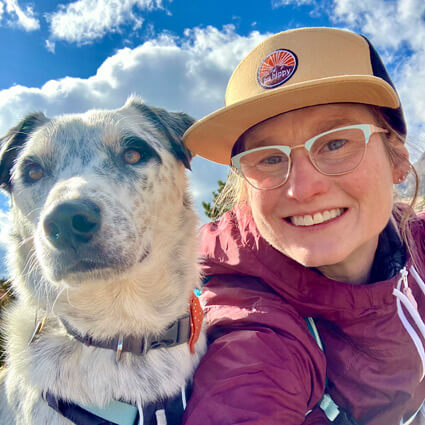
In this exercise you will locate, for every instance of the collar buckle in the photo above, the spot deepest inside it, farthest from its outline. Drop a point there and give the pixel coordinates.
(171, 337)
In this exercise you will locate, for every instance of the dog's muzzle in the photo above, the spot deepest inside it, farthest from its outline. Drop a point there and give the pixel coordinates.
(72, 224)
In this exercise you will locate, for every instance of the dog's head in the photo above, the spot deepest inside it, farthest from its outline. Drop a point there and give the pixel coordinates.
(95, 195)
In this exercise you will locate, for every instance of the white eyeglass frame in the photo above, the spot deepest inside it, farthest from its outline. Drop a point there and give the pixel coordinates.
(367, 129)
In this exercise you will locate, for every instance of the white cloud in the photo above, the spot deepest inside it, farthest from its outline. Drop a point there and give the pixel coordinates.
(280, 3)
(50, 46)
(397, 30)
(4, 234)
(388, 23)
(188, 74)
(83, 21)
(24, 19)
(4, 230)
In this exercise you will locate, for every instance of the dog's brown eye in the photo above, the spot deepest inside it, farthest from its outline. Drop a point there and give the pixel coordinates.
(131, 156)
(35, 172)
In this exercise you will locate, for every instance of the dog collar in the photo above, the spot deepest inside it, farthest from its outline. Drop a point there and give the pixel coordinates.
(185, 329)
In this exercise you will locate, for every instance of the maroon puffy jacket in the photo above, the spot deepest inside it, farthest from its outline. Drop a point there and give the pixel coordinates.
(264, 367)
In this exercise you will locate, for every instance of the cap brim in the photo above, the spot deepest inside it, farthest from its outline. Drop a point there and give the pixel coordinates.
(213, 136)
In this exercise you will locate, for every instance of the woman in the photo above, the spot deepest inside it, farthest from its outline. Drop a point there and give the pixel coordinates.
(314, 277)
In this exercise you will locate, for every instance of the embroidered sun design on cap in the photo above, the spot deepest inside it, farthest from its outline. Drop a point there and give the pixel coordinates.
(276, 68)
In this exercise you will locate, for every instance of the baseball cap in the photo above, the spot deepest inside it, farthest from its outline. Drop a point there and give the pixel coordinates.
(292, 70)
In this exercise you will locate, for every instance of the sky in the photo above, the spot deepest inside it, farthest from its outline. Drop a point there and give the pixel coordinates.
(70, 56)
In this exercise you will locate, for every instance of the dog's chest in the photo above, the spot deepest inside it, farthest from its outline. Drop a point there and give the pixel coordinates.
(91, 375)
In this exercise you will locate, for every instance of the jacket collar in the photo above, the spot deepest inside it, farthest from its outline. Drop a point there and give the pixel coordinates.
(390, 256)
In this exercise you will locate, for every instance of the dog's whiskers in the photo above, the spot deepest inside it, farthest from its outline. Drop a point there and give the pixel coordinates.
(30, 265)
(68, 299)
(24, 241)
(56, 299)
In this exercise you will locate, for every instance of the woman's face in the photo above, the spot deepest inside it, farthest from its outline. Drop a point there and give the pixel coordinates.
(361, 199)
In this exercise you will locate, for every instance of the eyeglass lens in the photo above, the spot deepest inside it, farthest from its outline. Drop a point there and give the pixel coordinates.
(338, 152)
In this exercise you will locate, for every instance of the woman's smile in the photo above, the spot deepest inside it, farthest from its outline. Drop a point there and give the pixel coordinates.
(307, 220)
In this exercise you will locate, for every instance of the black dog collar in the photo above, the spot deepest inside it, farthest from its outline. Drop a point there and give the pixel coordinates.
(177, 333)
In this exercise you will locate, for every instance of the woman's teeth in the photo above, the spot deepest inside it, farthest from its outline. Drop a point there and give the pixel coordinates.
(320, 217)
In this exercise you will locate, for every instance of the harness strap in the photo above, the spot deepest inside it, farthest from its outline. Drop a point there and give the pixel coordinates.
(329, 407)
(76, 413)
(412, 418)
(333, 412)
(163, 412)
(116, 412)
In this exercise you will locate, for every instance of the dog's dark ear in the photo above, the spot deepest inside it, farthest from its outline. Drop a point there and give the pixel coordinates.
(13, 141)
(172, 124)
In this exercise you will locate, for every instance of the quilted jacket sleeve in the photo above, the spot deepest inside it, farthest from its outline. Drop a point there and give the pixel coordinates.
(262, 365)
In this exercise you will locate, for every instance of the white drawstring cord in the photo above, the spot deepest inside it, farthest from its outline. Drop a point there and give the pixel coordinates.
(408, 300)
(415, 338)
(184, 397)
(418, 278)
(409, 303)
(141, 416)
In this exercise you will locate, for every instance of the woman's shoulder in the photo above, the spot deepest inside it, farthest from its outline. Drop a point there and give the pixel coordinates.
(229, 244)
(236, 224)
(242, 301)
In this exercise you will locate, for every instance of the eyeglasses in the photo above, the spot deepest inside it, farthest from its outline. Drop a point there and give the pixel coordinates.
(332, 153)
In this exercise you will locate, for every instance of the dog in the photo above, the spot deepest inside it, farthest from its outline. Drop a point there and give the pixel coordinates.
(103, 257)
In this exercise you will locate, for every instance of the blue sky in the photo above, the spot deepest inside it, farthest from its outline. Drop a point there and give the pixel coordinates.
(61, 57)
(31, 63)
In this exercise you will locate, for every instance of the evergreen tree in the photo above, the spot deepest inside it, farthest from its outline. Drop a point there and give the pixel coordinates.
(5, 293)
(5, 297)
(211, 209)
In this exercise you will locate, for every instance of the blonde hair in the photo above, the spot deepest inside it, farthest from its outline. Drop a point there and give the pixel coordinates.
(235, 189)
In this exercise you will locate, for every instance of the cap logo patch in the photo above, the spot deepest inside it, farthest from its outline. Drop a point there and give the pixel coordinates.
(276, 68)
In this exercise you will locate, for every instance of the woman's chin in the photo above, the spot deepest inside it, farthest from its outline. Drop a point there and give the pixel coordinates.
(314, 258)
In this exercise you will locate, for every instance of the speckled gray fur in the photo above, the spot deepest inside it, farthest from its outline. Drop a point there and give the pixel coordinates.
(145, 251)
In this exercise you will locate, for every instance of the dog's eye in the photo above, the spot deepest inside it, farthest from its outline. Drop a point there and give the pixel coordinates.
(131, 156)
(35, 172)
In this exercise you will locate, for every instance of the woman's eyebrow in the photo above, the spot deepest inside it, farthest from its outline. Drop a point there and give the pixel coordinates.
(321, 128)
(260, 142)
(338, 122)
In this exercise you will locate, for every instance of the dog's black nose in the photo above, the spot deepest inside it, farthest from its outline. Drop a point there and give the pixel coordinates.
(72, 223)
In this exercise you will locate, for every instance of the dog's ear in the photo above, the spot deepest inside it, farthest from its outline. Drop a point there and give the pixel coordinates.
(13, 141)
(172, 124)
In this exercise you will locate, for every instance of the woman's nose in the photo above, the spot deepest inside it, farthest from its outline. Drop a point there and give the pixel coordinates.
(304, 180)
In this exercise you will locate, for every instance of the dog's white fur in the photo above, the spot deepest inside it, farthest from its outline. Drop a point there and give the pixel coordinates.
(148, 240)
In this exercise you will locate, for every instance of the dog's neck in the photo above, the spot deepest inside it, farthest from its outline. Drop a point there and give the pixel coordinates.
(135, 305)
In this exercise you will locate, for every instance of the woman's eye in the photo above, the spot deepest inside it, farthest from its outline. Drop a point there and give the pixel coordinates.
(336, 144)
(131, 156)
(272, 160)
(35, 172)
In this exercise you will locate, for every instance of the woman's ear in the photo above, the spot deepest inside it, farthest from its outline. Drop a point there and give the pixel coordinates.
(400, 161)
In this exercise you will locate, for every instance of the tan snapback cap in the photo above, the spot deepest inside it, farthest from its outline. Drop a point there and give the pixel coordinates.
(292, 70)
